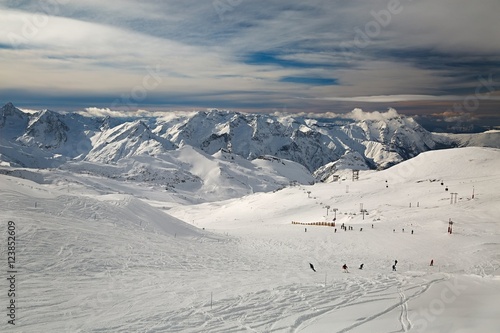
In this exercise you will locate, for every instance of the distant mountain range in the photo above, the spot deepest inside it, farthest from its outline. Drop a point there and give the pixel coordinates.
(322, 147)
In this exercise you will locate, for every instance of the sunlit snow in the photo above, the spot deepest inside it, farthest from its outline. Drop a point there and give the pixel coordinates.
(97, 254)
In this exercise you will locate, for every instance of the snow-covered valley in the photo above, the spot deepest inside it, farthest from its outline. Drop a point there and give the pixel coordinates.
(99, 254)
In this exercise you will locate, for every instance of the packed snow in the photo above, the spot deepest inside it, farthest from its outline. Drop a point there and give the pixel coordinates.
(102, 254)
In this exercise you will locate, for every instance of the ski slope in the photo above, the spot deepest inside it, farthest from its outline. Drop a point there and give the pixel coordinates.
(97, 255)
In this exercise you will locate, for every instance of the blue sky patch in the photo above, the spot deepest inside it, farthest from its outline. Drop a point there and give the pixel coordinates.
(269, 58)
(314, 81)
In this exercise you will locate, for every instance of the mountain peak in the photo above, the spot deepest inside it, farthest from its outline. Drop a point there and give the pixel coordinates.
(45, 130)
(126, 140)
(8, 105)
(9, 109)
(13, 117)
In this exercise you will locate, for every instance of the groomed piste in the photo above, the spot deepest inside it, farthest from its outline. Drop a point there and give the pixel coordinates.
(96, 254)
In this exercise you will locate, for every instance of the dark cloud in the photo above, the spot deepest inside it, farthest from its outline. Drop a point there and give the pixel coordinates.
(314, 56)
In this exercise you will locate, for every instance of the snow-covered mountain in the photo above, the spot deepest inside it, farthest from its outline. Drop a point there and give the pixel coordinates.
(46, 130)
(126, 140)
(13, 121)
(310, 142)
(351, 160)
(150, 148)
(97, 254)
(190, 216)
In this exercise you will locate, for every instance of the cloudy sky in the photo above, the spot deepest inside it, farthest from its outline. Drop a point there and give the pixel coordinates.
(419, 56)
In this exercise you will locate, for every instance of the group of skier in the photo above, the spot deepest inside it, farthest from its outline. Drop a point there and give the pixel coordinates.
(346, 269)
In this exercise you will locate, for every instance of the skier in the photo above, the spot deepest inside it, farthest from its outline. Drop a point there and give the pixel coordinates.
(345, 268)
(394, 267)
(432, 262)
(312, 267)
(361, 266)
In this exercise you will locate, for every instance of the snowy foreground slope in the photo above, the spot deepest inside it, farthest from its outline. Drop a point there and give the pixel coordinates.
(100, 255)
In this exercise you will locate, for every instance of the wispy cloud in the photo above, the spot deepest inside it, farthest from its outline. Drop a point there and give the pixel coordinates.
(106, 112)
(406, 98)
(246, 54)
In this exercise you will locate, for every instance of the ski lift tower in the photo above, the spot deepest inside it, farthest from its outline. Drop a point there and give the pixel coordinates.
(355, 175)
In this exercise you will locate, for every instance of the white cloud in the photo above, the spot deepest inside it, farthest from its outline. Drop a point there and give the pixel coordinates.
(106, 112)
(450, 26)
(358, 114)
(102, 112)
(94, 48)
(355, 114)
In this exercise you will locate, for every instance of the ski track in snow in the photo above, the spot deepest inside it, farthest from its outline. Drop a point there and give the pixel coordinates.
(105, 264)
(121, 273)
(287, 308)
(405, 321)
